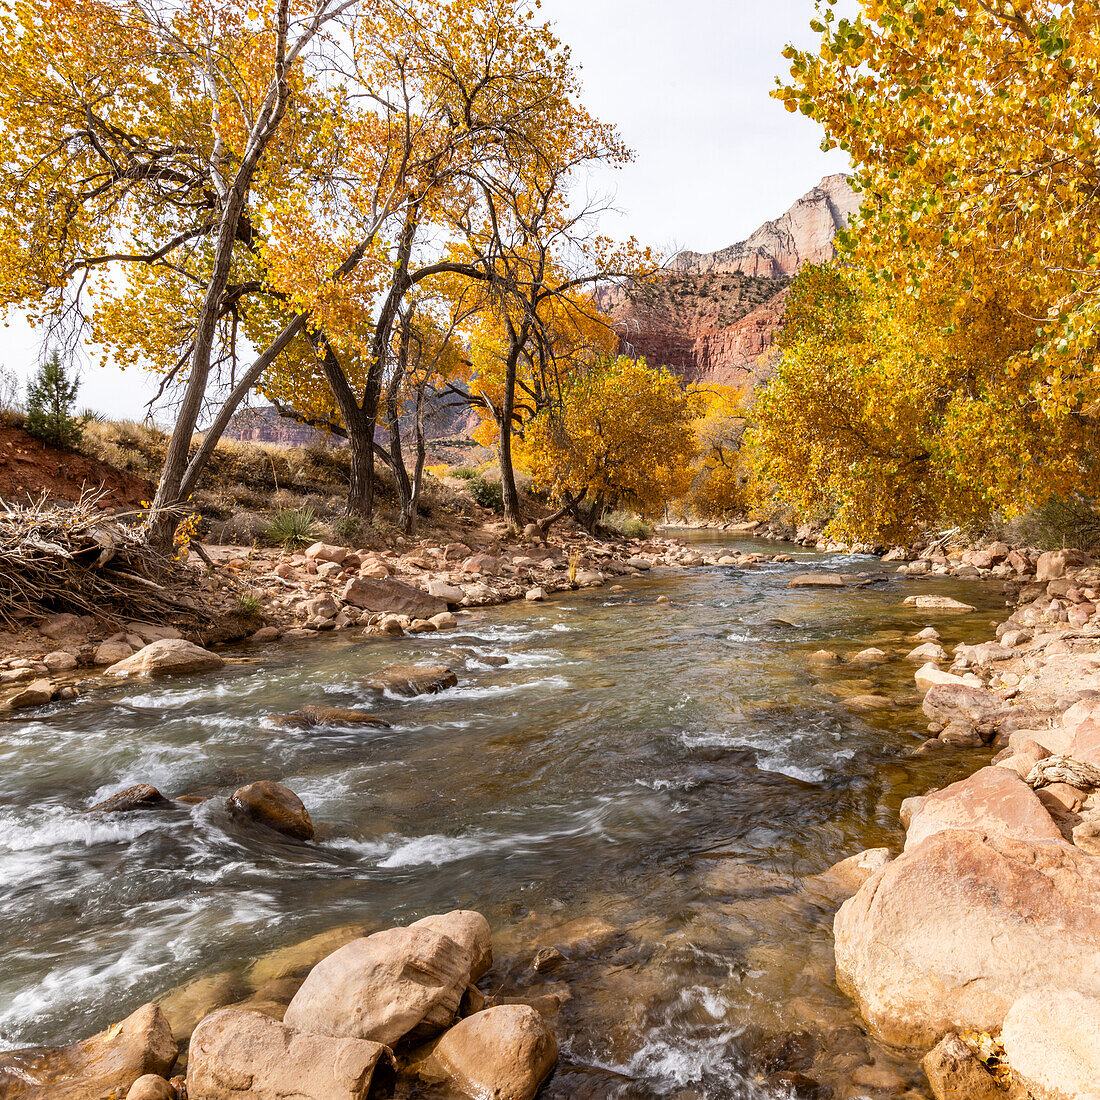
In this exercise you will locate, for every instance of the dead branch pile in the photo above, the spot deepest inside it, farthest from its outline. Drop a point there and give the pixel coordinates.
(58, 557)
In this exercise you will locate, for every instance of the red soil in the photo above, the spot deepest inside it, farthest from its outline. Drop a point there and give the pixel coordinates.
(28, 467)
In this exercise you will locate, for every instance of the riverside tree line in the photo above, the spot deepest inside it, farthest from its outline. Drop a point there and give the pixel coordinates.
(354, 206)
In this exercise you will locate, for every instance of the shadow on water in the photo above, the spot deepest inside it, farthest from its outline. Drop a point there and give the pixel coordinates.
(653, 785)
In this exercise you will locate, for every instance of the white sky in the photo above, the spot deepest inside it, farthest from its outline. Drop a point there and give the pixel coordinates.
(687, 83)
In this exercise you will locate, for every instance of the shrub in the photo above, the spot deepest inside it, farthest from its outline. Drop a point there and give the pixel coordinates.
(347, 528)
(249, 604)
(1058, 522)
(50, 397)
(467, 473)
(291, 527)
(488, 494)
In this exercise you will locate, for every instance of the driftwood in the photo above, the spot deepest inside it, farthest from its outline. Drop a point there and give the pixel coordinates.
(58, 557)
(1064, 769)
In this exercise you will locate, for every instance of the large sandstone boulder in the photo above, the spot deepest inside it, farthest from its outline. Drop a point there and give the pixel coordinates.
(504, 1052)
(1052, 1040)
(396, 597)
(960, 703)
(993, 802)
(238, 1055)
(399, 982)
(166, 657)
(109, 1062)
(275, 806)
(411, 679)
(928, 676)
(1053, 564)
(949, 935)
(470, 930)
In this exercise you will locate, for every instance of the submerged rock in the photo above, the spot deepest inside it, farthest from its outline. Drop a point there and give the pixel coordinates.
(235, 1054)
(109, 1062)
(275, 806)
(312, 716)
(504, 1052)
(816, 580)
(139, 797)
(411, 679)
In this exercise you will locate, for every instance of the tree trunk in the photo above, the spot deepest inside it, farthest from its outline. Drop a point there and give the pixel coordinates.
(512, 515)
(361, 483)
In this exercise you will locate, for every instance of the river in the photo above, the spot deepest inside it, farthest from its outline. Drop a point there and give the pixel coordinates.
(676, 771)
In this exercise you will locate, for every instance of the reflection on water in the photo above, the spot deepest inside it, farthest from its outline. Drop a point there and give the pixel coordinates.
(672, 774)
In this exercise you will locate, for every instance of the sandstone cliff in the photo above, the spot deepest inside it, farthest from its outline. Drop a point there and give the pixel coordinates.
(712, 316)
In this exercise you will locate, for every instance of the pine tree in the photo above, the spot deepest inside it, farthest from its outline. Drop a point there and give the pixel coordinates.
(50, 397)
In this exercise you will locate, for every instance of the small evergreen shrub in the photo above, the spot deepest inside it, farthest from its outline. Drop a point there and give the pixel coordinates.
(488, 494)
(291, 527)
(467, 473)
(50, 397)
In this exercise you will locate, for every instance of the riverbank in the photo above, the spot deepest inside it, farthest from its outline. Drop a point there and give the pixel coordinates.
(981, 940)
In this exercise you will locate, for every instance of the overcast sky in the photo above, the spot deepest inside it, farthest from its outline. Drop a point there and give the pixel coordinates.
(687, 82)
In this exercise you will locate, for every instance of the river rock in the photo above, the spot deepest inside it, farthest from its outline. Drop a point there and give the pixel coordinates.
(929, 652)
(275, 806)
(36, 694)
(847, 876)
(993, 802)
(816, 580)
(1052, 1040)
(468, 929)
(955, 1072)
(442, 590)
(111, 652)
(504, 1052)
(949, 935)
(109, 1062)
(139, 797)
(444, 621)
(236, 1054)
(151, 1086)
(928, 676)
(61, 660)
(589, 578)
(165, 657)
(398, 982)
(396, 597)
(1053, 564)
(960, 703)
(937, 603)
(66, 627)
(411, 679)
(870, 656)
(534, 595)
(312, 716)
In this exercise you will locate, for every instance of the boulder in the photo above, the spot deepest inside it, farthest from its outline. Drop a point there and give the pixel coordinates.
(324, 551)
(275, 806)
(481, 563)
(847, 876)
(61, 660)
(1053, 564)
(927, 676)
(310, 717)
(955, 1072)
(450, 593)
(444, 621)
(504, 1052)
(816, 580)
(930, 652)
(66, 627)
(871, 656)
(470, 930)
(111, 652)
(589, 578)
(138, 797)
(987, 653)
(35, 694)
(992, 802)
(236, 1054)
(151, 1086)
(386, 594)
(396, 983)
(534, 595)
(949, 935)
(823, 657)
(1052, 1040)
(109, 1062)
(937, 603)
(411, 679)
(167, 657)
(947, 702)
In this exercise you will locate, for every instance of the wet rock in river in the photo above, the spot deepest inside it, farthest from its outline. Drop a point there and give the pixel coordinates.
(167, 656)
(235, 1054)
(396, 983)
(139, 797)
(505, 1052)
(411, 679)
(295, 960)
(816, 580)
(275, 806)
(871, 656)
(798, 1086)
(151, 1086)
(108, 1062)
(950, 935)
(929, 652)
(938, 603)
(312, 716)
(36, 694)
(187, 1004)
(393, 596)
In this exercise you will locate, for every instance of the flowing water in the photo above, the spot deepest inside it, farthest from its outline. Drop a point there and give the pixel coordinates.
(676, 772)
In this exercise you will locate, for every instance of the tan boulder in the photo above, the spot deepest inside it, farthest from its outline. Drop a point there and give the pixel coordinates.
(61, 660)
(151, 1086)
(239, 1055)
(111, 652)
(993, 802)
(296, 959)
(108, 1062)
(392, 596)
(275, 806)
(35, 694)
(961, 703)
(928, 652)
(166, 657)
(470, 930)
(481, 563)
(398, 982)
(504, 1052)
(816, 580)
(949, 935)
(955, 1072)
(1052, 1040)
(929, 676)
(937, 603)
(411, 679)
(324, 551)
(844, 878)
